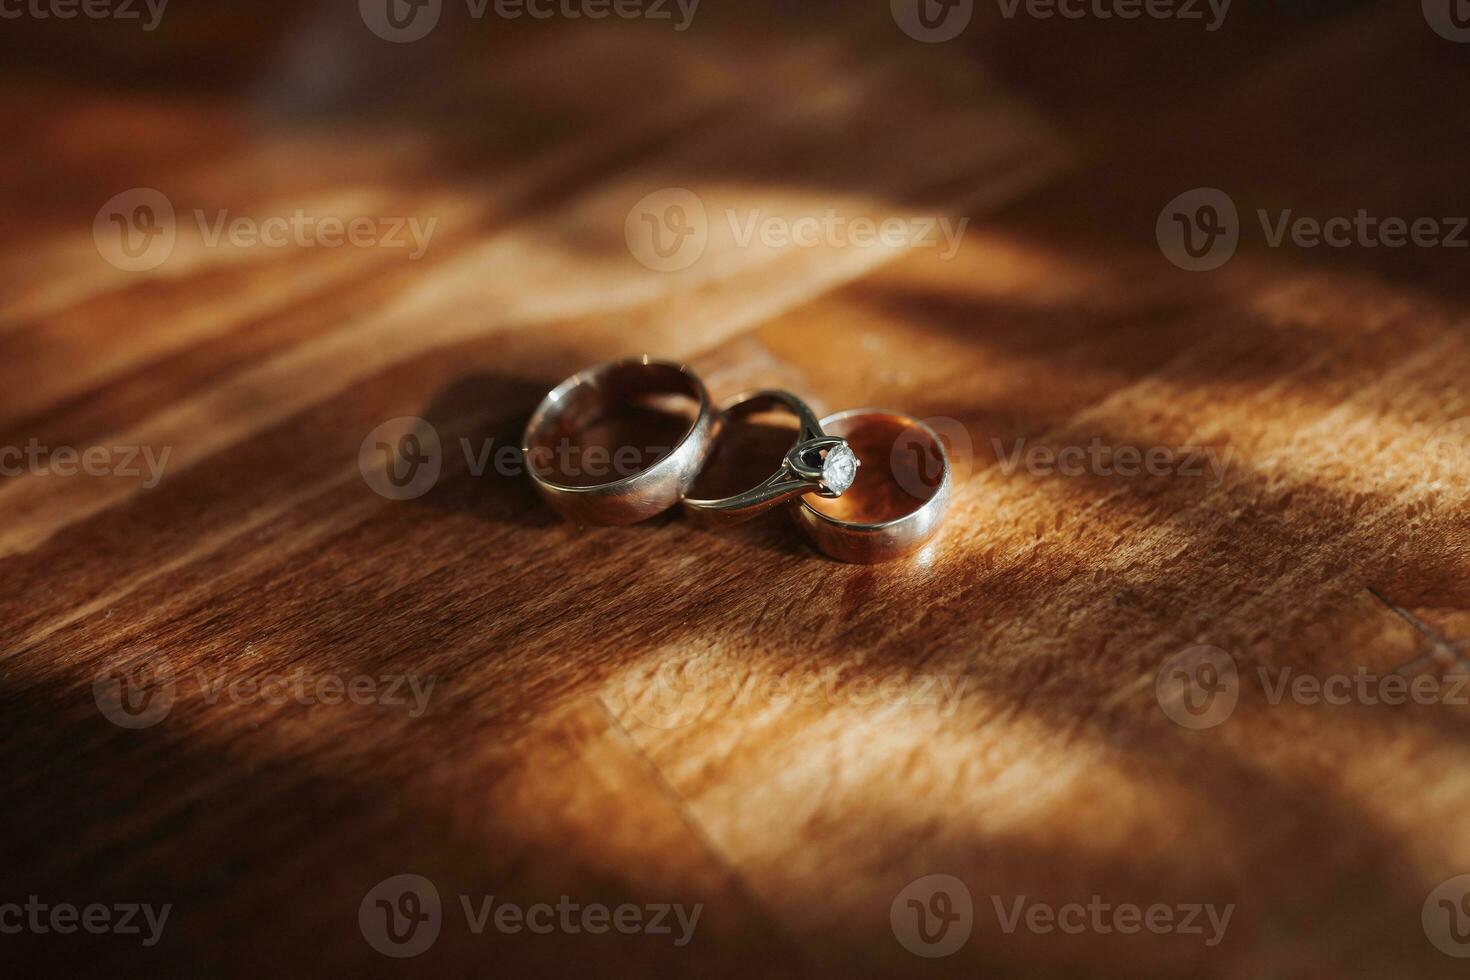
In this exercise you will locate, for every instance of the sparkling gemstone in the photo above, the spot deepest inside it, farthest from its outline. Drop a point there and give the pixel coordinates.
(839, 468)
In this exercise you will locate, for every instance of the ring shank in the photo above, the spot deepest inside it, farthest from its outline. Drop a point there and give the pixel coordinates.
(781, 486)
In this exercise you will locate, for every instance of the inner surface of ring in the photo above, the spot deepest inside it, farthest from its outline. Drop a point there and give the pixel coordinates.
(616, 424)
(751, 446)
(902, 468)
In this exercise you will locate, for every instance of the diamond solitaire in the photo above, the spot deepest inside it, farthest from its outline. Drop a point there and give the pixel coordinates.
(839, 469)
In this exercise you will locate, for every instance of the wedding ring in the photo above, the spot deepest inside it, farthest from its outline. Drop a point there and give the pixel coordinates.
(587, 399)
(899, 499)
(816, 464)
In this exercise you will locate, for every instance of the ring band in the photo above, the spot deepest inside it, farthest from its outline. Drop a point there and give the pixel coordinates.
(585, 399)
(918, 468)
(816, 463)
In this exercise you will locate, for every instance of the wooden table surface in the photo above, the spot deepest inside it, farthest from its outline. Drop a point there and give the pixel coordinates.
(665, 714)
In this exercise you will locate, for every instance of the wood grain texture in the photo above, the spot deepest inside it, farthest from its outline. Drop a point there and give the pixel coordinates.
(1019, 746)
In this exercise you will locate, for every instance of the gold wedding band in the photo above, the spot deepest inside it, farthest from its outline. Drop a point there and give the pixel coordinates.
(899, 498)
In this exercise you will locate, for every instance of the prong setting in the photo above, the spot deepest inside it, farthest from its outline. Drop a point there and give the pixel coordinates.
(825, 462)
